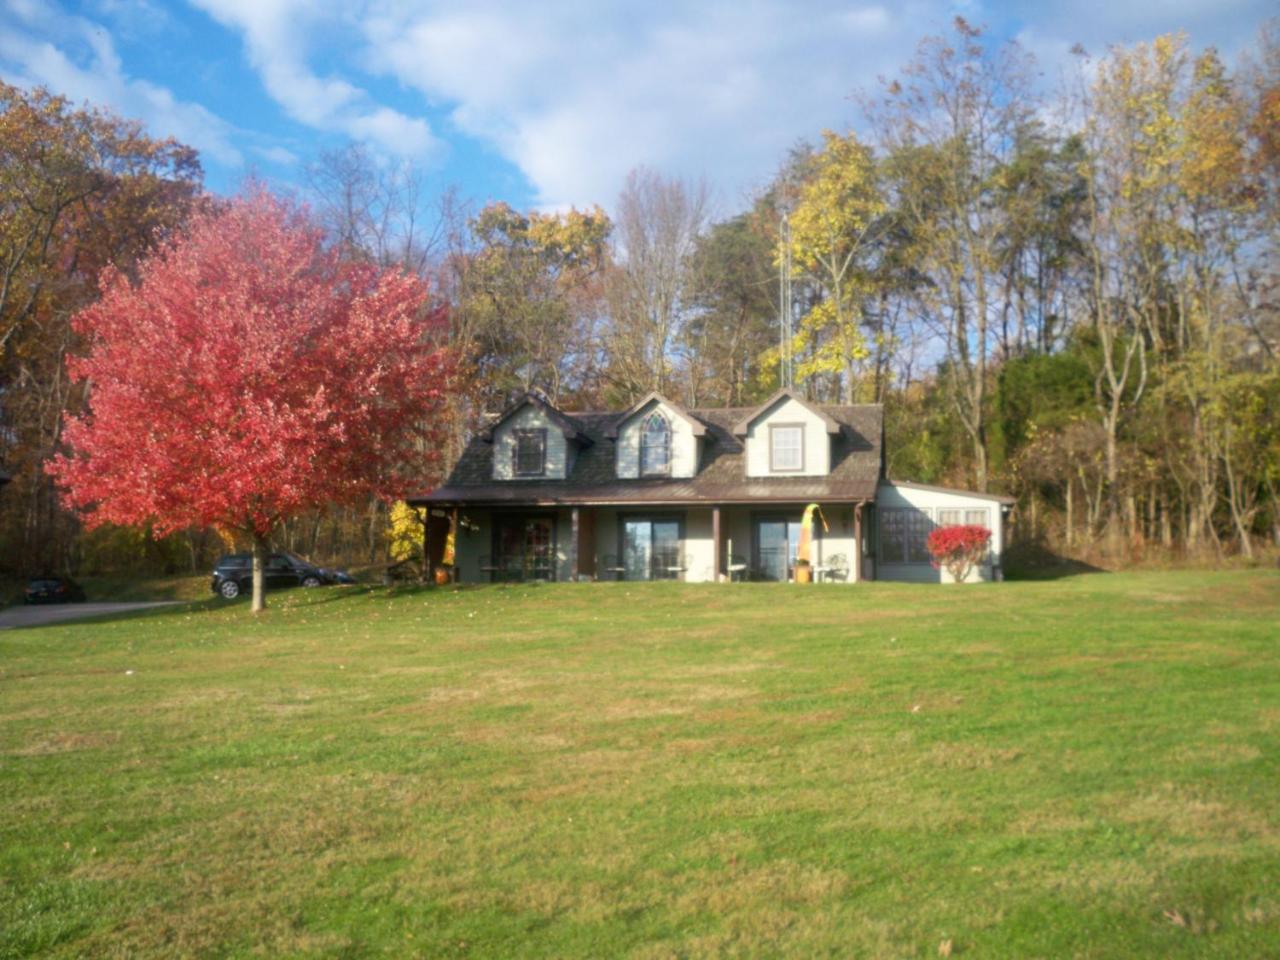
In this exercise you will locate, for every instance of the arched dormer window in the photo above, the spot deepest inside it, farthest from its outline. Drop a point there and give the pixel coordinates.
(655, 446)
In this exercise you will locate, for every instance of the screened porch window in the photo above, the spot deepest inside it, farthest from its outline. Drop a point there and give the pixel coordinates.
(530, 453)
(903, 533)
(655, 446)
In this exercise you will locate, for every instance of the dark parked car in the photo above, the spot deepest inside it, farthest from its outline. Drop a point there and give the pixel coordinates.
(233, 574)
(51, 589)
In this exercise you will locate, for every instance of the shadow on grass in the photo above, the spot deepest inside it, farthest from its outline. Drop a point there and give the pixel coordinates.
(1035, 561)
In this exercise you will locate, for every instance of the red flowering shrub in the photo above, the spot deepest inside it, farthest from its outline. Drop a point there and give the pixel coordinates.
(959, 548)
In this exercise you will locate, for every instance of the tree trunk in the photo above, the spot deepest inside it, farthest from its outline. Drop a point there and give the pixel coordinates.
(1071, 520)
(1275, 511)
(1149, 531)
(259, 580)
(1113, 477)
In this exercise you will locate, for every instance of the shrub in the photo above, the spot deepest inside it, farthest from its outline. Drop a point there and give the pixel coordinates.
(958, 548)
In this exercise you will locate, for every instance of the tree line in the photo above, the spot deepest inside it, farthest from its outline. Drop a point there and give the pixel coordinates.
(1069, 296)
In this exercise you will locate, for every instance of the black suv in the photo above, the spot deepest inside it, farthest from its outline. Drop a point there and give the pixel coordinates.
(51, 589)
(233, 574)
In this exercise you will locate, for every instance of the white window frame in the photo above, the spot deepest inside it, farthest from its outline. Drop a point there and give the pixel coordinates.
(777, 430)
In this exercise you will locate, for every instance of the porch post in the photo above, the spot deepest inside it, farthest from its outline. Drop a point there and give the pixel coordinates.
(453, 531)
(857, 543)
(573, 547)
(426, 545)
(715, 544)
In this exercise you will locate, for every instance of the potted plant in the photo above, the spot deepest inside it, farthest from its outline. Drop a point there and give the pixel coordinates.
(804, 571)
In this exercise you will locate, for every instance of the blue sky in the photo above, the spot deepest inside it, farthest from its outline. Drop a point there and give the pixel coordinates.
(542, 104)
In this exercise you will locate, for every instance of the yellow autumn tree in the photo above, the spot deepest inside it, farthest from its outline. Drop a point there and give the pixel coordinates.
(831, 239)
(404, 531)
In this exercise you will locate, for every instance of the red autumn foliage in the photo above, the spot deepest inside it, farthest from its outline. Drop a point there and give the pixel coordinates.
(251, 374)
(958, 548)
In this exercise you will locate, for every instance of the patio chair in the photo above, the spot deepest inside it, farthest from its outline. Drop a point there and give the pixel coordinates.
(737, 567)
(834, 567)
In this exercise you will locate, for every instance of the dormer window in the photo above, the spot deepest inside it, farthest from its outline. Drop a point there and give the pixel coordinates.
(655, 446)
(786, 447)
(530, 453)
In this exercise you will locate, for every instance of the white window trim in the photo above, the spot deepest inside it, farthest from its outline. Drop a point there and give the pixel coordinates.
(777, 430)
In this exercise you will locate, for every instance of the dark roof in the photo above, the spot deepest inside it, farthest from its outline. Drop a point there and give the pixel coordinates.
(566, 424)
(743, 426)
(856, 467)
(699, 428)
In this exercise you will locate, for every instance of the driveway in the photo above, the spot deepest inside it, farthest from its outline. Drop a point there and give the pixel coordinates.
(41, 614)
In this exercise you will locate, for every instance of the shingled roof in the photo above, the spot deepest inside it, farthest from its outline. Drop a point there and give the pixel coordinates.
(856, 466)
(571, 429)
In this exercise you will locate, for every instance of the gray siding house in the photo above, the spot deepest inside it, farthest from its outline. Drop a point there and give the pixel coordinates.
(660, 492)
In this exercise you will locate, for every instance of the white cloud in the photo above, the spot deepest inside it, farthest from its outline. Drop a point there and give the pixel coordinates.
(277, 155)
(576, 94)
(74, 57)
(277, 35)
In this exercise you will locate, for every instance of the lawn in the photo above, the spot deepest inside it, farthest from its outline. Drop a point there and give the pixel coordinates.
(1085, 767)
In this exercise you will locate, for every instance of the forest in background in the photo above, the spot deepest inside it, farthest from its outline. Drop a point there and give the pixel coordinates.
(1068, 296)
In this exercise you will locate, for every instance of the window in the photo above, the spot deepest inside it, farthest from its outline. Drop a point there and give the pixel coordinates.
(530, 453)
(903, 535)
(954, 516)
(786, 448)
(655, 446)
(918, 527)
(893, 538)
(776, 545)
(524, 549)
(651, 548)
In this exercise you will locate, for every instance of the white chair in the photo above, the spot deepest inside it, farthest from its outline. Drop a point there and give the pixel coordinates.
(835, 567)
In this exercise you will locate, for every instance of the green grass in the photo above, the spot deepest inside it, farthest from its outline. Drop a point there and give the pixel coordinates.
(1088, 767)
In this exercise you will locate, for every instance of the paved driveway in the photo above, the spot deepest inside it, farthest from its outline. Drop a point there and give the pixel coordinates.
(40, 614)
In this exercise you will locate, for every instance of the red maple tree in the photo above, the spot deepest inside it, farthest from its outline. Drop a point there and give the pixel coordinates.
(251, 374)
(959, 548)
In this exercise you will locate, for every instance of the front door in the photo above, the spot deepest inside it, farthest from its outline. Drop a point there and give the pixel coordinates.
(776, 541)
(651, 549)
(524, 549)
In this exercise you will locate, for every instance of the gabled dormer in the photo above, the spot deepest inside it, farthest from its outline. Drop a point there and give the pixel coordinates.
(532, 440)
(656, 438)
(787, 437)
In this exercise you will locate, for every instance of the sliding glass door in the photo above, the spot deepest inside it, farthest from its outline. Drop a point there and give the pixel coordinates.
(524, 549)
(651, 549)
(776, 542)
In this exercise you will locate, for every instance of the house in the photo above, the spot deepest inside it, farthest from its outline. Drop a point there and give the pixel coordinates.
(660, 492)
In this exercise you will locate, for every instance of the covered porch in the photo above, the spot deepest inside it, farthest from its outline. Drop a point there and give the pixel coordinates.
(691, 543)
